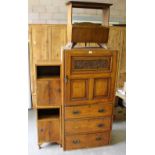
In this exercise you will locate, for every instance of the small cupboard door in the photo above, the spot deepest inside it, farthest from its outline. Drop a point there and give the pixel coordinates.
(49, 131)
(89, 76)
(48, 92)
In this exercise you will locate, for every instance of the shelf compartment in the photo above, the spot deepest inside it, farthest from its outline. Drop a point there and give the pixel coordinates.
(45, 114)
(47, 71)
(49, 125)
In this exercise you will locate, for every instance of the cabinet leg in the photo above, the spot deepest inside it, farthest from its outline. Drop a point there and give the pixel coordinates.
(39, 145)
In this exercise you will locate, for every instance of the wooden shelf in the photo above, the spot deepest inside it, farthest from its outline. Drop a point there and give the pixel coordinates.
(49, 78)
(48, 107)
(48, 117)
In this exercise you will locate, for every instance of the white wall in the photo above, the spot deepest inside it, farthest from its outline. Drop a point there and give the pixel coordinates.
(55, 11)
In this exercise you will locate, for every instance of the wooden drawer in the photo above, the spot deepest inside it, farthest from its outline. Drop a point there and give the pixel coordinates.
(96, 110)
(86, 140)
(87, 125)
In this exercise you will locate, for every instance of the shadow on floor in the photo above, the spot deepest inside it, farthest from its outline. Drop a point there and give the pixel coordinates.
(118, 136)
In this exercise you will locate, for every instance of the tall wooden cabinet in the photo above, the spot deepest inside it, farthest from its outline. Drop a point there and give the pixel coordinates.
(89, 93)
(49, 101)
(45, 43)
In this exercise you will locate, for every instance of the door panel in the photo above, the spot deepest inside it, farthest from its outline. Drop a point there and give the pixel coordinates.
(101, 87)
(57, 40)
(43, 131)
(55, 92)
(79, 89)
(54, 130)
(42, 93)
(39, 43)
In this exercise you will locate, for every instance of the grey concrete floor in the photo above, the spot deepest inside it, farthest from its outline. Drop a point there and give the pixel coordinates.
(117, 146)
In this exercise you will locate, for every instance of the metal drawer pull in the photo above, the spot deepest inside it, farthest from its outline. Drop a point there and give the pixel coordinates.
(101, 110)
(100, 125)
(76, 141)
(98, 138)
(76, 112)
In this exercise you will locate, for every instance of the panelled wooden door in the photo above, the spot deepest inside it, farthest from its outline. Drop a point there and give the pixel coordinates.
(89, 76)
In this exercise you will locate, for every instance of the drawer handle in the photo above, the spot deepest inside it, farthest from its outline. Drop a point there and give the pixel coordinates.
(101, 110)
(100, 125)
(76, 141)
(98, 138)
(76, 112)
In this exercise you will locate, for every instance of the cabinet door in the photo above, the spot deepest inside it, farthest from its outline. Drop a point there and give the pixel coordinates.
(39, 43)
(90, 76)
(43, 93)
(43, 131)
(49, 131)
(54, 92)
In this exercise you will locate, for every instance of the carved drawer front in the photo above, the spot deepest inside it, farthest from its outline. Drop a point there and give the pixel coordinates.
(86, 140)
(90, 64)
(87, 125)
(95, 110)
